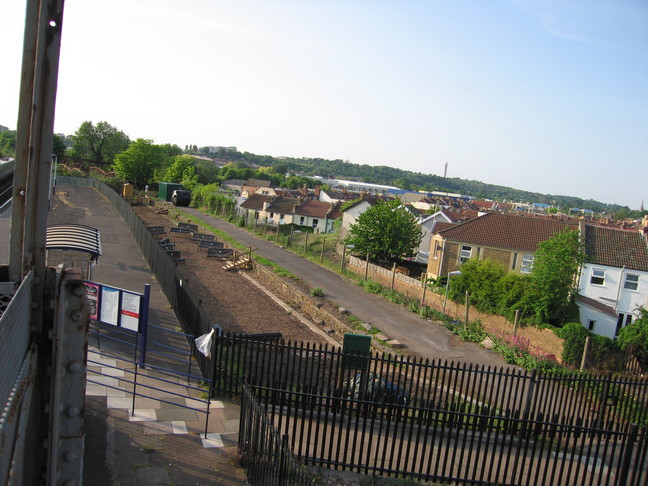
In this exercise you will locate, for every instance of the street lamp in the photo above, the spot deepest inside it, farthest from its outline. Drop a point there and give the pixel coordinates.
(451, 274)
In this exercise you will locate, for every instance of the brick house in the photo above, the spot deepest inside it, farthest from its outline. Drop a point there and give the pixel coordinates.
(508, 239)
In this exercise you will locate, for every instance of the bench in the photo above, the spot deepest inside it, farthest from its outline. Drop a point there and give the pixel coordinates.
(156, 230)
(191, 226)
(175, 256)
(202, 237)
(164, 241)
(184, 231)
(220, 252)
(210, 244)
(168, 246)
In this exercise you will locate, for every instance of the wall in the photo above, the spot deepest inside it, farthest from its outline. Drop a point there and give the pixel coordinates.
(544, 339)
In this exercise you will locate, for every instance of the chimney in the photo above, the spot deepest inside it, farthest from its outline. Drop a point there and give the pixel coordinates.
(303, 191)
(318, 190)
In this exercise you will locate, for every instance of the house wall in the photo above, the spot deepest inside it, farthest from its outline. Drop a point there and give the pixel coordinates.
(604, 324)
(351, 215)
(612, 292)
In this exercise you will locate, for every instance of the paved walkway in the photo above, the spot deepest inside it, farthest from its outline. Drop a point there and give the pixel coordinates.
(160, 443)
(420, 336)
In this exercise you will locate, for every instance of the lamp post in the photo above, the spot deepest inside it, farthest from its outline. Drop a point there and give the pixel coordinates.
(451, 274)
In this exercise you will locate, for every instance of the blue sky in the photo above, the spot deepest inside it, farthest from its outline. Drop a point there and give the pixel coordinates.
(548, 96)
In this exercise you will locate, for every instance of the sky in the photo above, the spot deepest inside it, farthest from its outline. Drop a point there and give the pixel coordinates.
(549, 96)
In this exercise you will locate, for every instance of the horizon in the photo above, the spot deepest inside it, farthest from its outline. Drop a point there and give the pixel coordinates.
(538, 95)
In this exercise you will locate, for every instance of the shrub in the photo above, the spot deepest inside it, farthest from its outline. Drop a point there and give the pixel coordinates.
(604, 354)
(317, 292)
(472, 331)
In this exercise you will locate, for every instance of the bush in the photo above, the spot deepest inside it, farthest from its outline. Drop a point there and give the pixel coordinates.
(472, 331)
(604, 355)
(317, 292)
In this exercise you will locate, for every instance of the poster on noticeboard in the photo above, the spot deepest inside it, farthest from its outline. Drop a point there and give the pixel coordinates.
(114, 306)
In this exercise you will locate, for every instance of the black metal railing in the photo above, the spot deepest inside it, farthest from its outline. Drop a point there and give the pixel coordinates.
(266, 454)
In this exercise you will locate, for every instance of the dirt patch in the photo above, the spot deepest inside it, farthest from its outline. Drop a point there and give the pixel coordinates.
(227, 297)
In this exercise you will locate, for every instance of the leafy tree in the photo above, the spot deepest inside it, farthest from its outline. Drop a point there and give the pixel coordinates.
(58, 147)
(480, 278)
(181, 169)
(386, 231)
(552, 280)
(511, 290)
(138, 163)
(634, 339)
(8, 143)
(99, 142)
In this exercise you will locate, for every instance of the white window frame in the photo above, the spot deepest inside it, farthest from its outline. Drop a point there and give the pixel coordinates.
(465, 253)
(629, 284)
(598, 274)
(526, 265)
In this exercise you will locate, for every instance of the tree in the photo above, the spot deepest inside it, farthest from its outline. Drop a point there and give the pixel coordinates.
(99, 143)
(138, 163)
(552, 279)
(182, 170)
(58, 146)
(386, 231)
(634, 339)
(8, 143)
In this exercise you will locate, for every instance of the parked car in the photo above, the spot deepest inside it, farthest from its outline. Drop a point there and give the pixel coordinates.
(181, 197)
(377, 389)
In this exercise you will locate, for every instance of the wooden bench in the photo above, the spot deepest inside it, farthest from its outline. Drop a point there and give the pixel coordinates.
(191, 226)
(210, 244)
(202, 237)
(184, 231)
(175, 256)
(164, 241)
(220, 252)
(156, 230)
(168, 246)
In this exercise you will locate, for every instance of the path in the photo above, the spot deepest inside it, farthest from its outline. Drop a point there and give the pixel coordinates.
(420, 336)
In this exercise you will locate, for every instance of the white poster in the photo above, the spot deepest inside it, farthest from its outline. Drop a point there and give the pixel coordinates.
(130, 311)
(109, 305)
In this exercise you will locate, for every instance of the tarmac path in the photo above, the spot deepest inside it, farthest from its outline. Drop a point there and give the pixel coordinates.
(420, 336)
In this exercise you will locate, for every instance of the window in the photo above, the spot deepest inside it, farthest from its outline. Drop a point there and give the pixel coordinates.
(466, 252)
(315, 222)
(631, 282)
(597, 277)
(527, 263)
(514, 261)
(590, 325)
(301, 220)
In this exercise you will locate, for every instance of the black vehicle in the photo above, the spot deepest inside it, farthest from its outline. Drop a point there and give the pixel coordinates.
(181, 197)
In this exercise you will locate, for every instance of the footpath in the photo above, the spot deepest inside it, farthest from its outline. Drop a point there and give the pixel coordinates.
(418, 335)
(159, 443)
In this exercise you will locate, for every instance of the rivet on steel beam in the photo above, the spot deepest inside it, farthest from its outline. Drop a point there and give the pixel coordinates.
(78, 290)
(70, 456)
(72, 411)
(74, 366)
(76, 315)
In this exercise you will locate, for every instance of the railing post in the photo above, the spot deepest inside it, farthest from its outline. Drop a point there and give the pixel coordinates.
(624, 464)
(282, 460)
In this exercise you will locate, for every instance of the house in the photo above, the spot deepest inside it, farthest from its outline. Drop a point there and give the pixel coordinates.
(256, 204)
(281, 210)
(351, 213)
(614, 280)
(508, 239)
(318, 215)
(253, 186)
(234, 185)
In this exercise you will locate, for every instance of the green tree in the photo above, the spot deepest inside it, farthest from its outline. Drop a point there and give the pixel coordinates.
(8, 143)
(58, 147)
(552, 280)
(100, 143)
(181, 169)
(386, 231)
(634, 339)
(138, 163)
(480, 278)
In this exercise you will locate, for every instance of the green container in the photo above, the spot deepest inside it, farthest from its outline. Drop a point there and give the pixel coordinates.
(356, 352)
(165, 190)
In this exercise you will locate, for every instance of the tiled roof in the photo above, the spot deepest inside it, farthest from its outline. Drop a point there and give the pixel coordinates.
(283, 205)
(595, 304)
(258, 183)
(255, 201)
(616, 248)
(440, 226)
(505, 231)
(314, 209)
